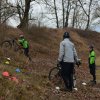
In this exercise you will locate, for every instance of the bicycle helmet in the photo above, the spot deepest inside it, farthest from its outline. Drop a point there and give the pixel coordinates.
(66, 35)
(21, 36)
(91, 46)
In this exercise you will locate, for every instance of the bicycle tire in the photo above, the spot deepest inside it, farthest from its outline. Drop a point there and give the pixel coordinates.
(53, 72)
(6, 44)
(58, 80)
(55, 77)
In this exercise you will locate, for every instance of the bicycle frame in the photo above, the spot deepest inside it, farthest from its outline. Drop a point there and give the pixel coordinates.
(58, 76)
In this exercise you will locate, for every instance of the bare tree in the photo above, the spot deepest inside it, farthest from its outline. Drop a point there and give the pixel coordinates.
(96, 6)
(6, 11)
(0, 9)
(52, 10)
(24, 20)
(74, 18)
(63, 11)
(21, 9)
(56, 14)
(87, 12)
(78, 12)
(88, 21)
(67, 13)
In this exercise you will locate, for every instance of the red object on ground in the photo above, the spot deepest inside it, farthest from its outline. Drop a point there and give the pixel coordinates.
(6, 74)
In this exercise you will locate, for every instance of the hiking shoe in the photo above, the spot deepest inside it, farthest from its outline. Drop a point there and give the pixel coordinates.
(94, 82)
(91, 81)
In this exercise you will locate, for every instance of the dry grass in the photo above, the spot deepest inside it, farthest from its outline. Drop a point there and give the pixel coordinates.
(98, 61)
(33, 78)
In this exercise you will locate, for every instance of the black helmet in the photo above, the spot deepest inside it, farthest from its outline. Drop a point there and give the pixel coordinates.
(91, 46)
(66, 35)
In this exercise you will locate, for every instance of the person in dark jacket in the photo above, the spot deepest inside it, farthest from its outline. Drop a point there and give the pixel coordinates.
(67, 58)
(24, 43)
(92, 65)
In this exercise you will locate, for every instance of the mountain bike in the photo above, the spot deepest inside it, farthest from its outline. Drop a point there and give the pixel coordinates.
(11, 44)
(56, 78)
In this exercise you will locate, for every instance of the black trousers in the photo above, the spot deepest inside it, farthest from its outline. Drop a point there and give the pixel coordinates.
(26, 53)
(93, 71)
(67, 74)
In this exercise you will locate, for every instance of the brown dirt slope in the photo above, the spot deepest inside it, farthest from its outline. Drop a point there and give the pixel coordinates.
(33, 79)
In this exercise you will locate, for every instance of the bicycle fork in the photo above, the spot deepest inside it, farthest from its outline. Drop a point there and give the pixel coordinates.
(74, 81)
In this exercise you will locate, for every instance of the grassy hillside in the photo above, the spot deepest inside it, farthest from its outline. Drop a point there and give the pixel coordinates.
(91, 37)
(33, 83)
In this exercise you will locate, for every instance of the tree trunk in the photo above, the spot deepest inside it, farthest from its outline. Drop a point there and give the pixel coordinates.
(67, 14)
(63, 11)
(0, 9)
(57, 22)
(88, 21)
(24, 20)
(73, 22)
(74, 15)
(87, 14)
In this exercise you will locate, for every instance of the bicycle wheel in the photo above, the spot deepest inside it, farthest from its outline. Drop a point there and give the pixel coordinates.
(53, 73)
(6, 44)
(55, 76)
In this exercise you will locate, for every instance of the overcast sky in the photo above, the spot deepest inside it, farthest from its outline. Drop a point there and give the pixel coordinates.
(37, 9)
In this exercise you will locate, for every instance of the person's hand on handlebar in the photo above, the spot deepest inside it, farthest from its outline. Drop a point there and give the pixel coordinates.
(78, 62)
(58, 64)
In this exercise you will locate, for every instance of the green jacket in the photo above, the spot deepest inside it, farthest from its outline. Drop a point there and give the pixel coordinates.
(24, 43)
(92, 57)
